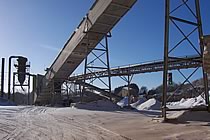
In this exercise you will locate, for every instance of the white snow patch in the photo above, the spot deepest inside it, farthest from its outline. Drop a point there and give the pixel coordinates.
(182, 100)
(31, 122)
(199, 101)
(123, 102)
(140, 101)
(151, 104)
(188, 103)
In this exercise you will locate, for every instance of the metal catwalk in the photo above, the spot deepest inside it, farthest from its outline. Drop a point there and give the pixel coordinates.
(174, 63)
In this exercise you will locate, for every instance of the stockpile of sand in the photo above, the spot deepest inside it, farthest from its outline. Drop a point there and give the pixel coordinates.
(199, 101)
(188, 103)
(139, 102)
(103, 105)
(124, 102)
(151, 104)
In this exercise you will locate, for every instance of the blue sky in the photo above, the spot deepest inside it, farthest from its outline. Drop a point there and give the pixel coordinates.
(38, 30)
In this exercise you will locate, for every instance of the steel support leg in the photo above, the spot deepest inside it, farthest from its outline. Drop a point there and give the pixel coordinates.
(200, 32)
(166, 44)
(108, 67)
(95, 62)
(2, 76)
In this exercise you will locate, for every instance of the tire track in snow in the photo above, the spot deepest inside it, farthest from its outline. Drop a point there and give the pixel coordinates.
(42, 123)
(88, 130)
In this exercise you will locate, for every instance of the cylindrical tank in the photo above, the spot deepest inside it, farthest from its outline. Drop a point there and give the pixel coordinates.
(21, 69)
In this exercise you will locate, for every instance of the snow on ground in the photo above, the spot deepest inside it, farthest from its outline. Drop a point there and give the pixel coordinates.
(140, 101)
(133, 125)
(43, 123)
(141, 104)
(124, 102)
(151, 104)
(188, 103)
(199, 101)
(102, 120)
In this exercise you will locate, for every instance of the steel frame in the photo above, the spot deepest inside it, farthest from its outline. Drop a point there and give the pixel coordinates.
(128, 79)
(24, 85)
(71, 89)
(153, 66)
(169, 18)
(55, 91)
(97, 53)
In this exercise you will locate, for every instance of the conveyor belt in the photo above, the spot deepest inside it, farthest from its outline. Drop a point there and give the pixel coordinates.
(102, 17)
(174, 63)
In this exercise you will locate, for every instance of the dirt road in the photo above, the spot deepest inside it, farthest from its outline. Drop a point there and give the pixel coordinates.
(44, 123)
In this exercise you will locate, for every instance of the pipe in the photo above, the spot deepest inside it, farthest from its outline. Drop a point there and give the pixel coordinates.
(2, 76)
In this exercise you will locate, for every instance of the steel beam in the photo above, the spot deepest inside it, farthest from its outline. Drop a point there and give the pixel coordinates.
(100, 56)
(2, 76)
(100, 15)
(200, 32)
(197, 48)
(166, 46)
(157, 66)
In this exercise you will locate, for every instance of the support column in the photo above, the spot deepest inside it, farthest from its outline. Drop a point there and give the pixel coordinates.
(129, 95)
(98, 60)
(2, 76)
(200, 32)
(186, 27)
(29, 102)
(108, 67)
(166, 44)
(13, 88)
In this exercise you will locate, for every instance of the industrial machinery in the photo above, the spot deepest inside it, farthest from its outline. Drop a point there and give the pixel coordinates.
(21, 79)
(101, 18)
(21, 69)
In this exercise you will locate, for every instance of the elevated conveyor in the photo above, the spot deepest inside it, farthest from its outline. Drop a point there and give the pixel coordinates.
(156, 66)
(101, 18)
